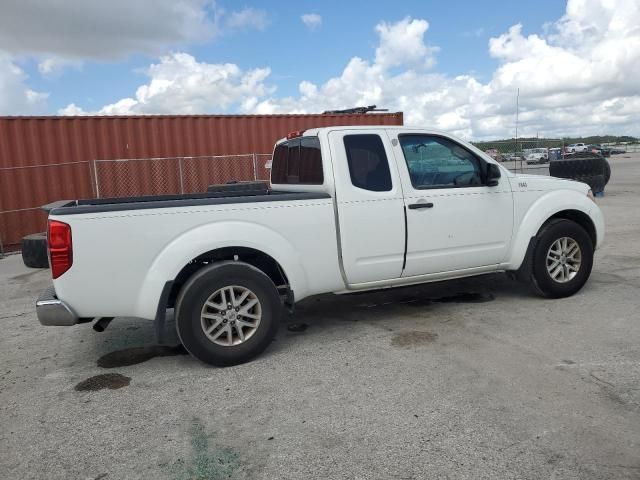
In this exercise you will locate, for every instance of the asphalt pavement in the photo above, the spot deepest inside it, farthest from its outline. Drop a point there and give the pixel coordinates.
(476, 378)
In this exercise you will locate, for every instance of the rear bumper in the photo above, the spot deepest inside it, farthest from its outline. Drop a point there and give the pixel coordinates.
(54, 312)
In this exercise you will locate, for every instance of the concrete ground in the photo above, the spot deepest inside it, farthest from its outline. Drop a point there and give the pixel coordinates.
(468, 379)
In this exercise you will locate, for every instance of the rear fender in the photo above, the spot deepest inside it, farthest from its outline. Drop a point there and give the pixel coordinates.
(205, 238)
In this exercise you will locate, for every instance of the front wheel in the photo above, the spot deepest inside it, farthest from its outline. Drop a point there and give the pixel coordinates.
(227, 313)
(562, 259)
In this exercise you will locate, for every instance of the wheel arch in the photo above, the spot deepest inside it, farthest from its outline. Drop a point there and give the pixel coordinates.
(252, 243)
(254, 257)
(560, 204)
(579, 217)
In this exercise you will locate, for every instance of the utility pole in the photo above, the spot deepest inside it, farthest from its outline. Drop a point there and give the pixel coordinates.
(517, 112)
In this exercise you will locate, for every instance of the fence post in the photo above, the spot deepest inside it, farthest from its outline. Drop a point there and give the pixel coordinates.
(255, 167)
(95, 176)
(180, 173)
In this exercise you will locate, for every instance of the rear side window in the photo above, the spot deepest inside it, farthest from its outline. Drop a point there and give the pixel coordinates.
(298, 161)
(368, 164)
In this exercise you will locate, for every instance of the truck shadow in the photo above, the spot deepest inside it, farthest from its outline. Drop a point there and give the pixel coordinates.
(416, 307)
(130, 341)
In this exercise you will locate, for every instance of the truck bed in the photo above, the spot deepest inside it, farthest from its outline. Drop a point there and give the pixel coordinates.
(98, 205)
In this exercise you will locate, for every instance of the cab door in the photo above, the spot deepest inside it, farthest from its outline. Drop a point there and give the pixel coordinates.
(455, 220)
(370, 205)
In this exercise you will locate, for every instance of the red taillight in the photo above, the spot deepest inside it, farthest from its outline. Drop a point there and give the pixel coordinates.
(296, 134)
(60, 247)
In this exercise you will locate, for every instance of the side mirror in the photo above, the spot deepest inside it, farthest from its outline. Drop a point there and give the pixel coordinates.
(493, 174)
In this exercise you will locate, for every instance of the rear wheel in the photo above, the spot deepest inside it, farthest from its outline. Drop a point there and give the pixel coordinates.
(227, 313)
(562, 259)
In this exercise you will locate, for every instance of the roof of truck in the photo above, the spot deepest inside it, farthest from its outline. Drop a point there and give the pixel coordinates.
(312, 132)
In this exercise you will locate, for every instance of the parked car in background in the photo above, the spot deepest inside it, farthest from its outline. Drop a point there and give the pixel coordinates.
(536, 155)
(617, 150)
(577, 147)
(495, 154)
(349, 209)
(599, 150)
(512, 157)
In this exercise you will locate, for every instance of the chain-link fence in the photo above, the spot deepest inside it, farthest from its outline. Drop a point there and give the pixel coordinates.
(525, 155)
(175, 175)
(23, 190)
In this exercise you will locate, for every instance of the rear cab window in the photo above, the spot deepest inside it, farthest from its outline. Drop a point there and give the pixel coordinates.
(297, 162)
(368, 163)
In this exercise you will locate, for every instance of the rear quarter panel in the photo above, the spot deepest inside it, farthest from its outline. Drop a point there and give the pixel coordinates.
(122, 260)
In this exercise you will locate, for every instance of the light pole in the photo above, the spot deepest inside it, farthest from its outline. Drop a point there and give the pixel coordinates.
(517, 112)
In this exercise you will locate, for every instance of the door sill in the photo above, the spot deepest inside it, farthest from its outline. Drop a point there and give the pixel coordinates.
(416, 279)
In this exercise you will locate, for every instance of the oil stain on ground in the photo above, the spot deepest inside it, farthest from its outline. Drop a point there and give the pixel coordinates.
(135, 355)
(466, 298)
(25, 276)
(297, 327)
(458, 298)
(413, 339)
(206, 462)
(112, 381)
(426, 301)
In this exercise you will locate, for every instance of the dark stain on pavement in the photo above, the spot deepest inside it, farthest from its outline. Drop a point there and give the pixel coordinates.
(413, 339)
(23, 277)
(112, 381)
(466, 298)
(297, 327)
(136, 355)
(458, 298)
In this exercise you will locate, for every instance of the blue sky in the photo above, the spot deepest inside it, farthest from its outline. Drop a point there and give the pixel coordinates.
(453, 65)
(295, 53)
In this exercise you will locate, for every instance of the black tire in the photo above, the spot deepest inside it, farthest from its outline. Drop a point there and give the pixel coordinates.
(34, 251)
(196, 292)
(607, 172)
(540, 276)
(597, 183)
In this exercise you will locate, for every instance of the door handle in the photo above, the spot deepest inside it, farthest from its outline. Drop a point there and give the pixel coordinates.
(415, 206)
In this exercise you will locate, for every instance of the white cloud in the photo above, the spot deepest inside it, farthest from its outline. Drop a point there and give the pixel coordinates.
(83, 29)
(72, 109)
(180, 84)
(402, 43)
(248, 18)
(16, 98)
(59, 33)
(52, 66)
(580, 76)
(313, 21)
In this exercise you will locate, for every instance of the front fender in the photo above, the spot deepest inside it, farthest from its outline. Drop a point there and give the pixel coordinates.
(540, 211)
(193, 243)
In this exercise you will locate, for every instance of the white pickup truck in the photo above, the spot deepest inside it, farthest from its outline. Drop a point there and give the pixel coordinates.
(349, 209)
(577, 147)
